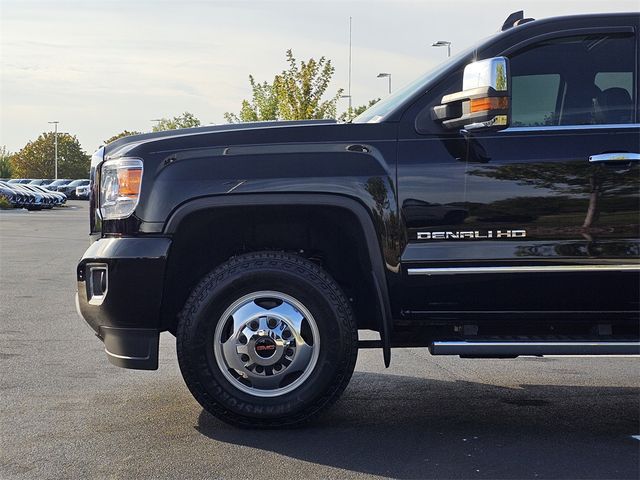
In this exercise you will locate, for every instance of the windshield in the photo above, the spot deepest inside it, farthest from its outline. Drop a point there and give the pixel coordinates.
(380, 110)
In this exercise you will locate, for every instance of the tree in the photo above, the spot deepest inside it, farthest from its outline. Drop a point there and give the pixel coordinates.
(348, 115)
(5, 163)
(36, 158)
(263, 105)
(295, 94)
(124, 133)
(186, 120)
(300, 89)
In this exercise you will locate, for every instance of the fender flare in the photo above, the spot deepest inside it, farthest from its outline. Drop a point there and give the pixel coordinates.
(315, 199)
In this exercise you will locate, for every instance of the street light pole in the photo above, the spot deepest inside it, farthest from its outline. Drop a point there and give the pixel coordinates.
(349, 89)
(55, 147)
(443, 43)
(386, 75)
(349, 112)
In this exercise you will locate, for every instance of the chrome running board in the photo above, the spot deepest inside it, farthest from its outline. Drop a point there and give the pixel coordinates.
(511, 348)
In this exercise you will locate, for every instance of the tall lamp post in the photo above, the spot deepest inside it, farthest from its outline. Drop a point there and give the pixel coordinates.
(443, 43)
(386, 75)
(348, 95)
(55, 147)
(349, 111)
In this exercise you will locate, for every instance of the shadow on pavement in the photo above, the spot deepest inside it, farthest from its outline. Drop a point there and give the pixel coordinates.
(408, 427)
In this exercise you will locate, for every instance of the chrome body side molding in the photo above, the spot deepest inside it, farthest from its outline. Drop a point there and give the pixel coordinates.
(509, 348)
(521, 269)
(560, 128)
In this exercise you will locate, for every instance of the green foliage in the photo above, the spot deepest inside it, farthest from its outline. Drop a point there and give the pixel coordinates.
(295, 94)
(4, 202)
(263, 105)
(501, 78)
(300, 90)
(186, 120)
(124, 133)
(6, 168)
(36, 158)
(348, 115)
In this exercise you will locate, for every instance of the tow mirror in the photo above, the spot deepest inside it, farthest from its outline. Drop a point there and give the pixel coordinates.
(483, 102)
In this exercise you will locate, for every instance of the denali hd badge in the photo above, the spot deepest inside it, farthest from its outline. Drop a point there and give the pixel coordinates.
(472, 235)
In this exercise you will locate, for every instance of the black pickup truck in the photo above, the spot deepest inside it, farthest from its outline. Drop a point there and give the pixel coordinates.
(491, 208)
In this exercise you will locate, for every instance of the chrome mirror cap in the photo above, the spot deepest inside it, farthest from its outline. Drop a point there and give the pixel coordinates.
(491, 72)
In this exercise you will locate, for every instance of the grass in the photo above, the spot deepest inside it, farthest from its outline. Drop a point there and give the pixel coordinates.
(5, 204)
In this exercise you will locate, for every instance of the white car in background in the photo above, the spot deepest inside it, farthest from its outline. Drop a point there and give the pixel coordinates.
(82, 192)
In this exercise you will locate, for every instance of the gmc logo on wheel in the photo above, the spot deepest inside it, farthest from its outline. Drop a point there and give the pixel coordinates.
(265, 347)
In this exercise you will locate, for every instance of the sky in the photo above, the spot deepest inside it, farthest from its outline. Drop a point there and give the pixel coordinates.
(100, 67)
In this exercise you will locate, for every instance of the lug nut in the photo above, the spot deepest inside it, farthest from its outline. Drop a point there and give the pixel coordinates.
(242, 339)
(244, 358)
(254, 325)
(272, 323)
(259, 369)
(289, 352)
(277, 367)
(286, 334)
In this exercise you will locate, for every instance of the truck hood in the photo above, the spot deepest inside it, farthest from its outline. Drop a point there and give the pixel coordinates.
(123, 145)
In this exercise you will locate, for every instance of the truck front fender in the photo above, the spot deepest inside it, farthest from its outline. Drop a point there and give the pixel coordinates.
(364, 218)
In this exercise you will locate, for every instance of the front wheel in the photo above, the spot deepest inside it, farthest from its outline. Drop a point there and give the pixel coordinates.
(267, 339)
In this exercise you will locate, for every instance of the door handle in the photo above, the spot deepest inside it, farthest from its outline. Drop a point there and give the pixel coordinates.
(615, 157)
(358, 148)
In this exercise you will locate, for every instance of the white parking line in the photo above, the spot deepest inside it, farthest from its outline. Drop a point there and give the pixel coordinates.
(637, 437)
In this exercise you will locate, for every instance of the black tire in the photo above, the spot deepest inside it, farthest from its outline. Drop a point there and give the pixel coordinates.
(273, 271)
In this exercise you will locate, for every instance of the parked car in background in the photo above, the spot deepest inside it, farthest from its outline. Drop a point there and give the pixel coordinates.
(11, 195)
(82, 192)
(19, 180)
(40, 181)
(59, 197)
(6, 186)
(31, 195)
(30, 200)
(48, 200)
(54, 184)
(70, 189)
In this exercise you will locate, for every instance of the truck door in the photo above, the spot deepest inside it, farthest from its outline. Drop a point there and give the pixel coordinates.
(541, 216)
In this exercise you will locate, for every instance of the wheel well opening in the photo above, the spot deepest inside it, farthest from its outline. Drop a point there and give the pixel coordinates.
(329, 236)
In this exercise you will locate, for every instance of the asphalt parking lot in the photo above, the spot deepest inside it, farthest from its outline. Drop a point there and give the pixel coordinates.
(65, 412)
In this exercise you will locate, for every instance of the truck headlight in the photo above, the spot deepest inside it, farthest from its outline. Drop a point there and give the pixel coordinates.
(120, 187)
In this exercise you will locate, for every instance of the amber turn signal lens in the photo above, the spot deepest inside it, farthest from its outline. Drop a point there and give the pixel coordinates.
(489, 103)
(129, 181)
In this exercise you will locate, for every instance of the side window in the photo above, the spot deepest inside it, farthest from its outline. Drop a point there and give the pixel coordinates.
(574, 81)
(535, 104)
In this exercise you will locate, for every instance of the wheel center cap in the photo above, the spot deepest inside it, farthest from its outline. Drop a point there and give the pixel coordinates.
(265, 347)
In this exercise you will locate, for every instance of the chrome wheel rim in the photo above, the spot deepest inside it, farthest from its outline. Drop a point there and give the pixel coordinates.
(266, 343)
